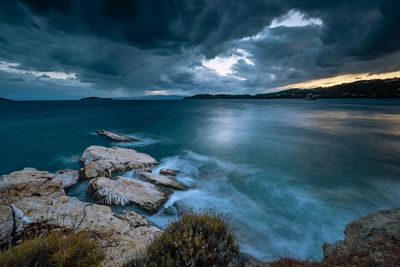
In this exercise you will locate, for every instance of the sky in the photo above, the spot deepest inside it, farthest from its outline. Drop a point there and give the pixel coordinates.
(68, 49)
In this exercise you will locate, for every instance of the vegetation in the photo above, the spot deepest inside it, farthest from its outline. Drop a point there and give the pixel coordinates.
(389, 88)
(289, 262)
(194, 240)
(61, 250)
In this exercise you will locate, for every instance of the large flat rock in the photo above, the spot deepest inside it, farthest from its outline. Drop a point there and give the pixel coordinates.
(122, 191)
(102, 161)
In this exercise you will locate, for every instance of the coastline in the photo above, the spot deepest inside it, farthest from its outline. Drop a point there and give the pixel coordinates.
(33, 197)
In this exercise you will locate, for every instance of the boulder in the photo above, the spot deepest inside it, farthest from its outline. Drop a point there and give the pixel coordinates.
(102, 161)
(116, 136)
(373, 240)
(170, 172)
(27, 183)
(122, 191)
(162, 180)
(68, 177)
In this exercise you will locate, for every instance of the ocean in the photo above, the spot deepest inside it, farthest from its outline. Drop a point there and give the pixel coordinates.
(286, 174)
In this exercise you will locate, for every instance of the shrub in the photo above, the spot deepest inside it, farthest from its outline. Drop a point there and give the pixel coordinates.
(289, 262)
(61, 250)
(194, 240)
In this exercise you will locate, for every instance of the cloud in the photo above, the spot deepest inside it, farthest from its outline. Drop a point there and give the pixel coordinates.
(128, 48)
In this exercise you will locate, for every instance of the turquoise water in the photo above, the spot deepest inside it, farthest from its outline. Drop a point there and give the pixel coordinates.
(287, 174)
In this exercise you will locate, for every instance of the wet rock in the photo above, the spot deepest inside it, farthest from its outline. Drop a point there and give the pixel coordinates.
(162, 180)
(177, 208)
(68, 177)
(101, 161)
(122, 191)
(170, 172)
(373, 240)
(116, 136)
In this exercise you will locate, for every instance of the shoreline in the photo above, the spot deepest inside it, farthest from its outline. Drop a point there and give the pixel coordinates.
(33, 197)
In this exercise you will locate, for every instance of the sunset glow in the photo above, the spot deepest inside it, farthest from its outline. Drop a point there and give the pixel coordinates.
(340, 79)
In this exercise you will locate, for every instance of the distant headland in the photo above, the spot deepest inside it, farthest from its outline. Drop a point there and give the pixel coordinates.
(4, 99)
(95, 98)
(388, 88)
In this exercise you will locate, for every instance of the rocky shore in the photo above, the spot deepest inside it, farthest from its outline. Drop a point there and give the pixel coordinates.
(33, 197)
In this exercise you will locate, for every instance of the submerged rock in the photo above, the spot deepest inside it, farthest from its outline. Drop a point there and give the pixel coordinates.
(170, 172)
(373, 240)
(102, 161)
(162, 180)
(178, 208)
(68, 177)
(122, 191)
(116, 136)
(31, 197)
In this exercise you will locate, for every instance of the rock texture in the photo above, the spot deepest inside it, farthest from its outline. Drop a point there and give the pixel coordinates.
(29, 183)
(101, 161)
(116, 136)
(122, 191)
(162, 180)
(170, 172)
(373, 240)
(6, 224)
(68, 177)
(36, 197)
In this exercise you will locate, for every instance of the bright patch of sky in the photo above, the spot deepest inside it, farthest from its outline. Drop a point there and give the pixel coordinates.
(13, 68)
(224, 66)
(345, 78)
(295, 19)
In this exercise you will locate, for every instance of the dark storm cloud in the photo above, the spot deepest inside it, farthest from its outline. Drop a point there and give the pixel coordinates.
(129, 47)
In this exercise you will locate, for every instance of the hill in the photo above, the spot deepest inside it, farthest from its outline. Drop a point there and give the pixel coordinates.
(95, 98)
(389, 88)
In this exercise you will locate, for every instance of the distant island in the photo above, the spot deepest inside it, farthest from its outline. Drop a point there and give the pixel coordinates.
(389, 88)
(4, 99)
(96, 98)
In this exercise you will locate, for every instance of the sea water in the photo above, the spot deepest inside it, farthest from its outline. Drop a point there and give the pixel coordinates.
(286, 174)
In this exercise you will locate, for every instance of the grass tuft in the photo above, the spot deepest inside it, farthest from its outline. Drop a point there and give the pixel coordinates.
(56, 249)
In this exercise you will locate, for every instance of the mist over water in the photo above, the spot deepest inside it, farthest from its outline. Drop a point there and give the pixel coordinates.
(287, 174)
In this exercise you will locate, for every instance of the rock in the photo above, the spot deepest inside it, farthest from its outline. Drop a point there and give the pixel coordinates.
(122, 191)
(116, 136)
(101, 161)
(170, 172)
(129, 234)
(162, 180)
(28, 183)
(134, 219)
(35, 198)
(178, 208)
(373, 240)
(68, 177)
(6, 224)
